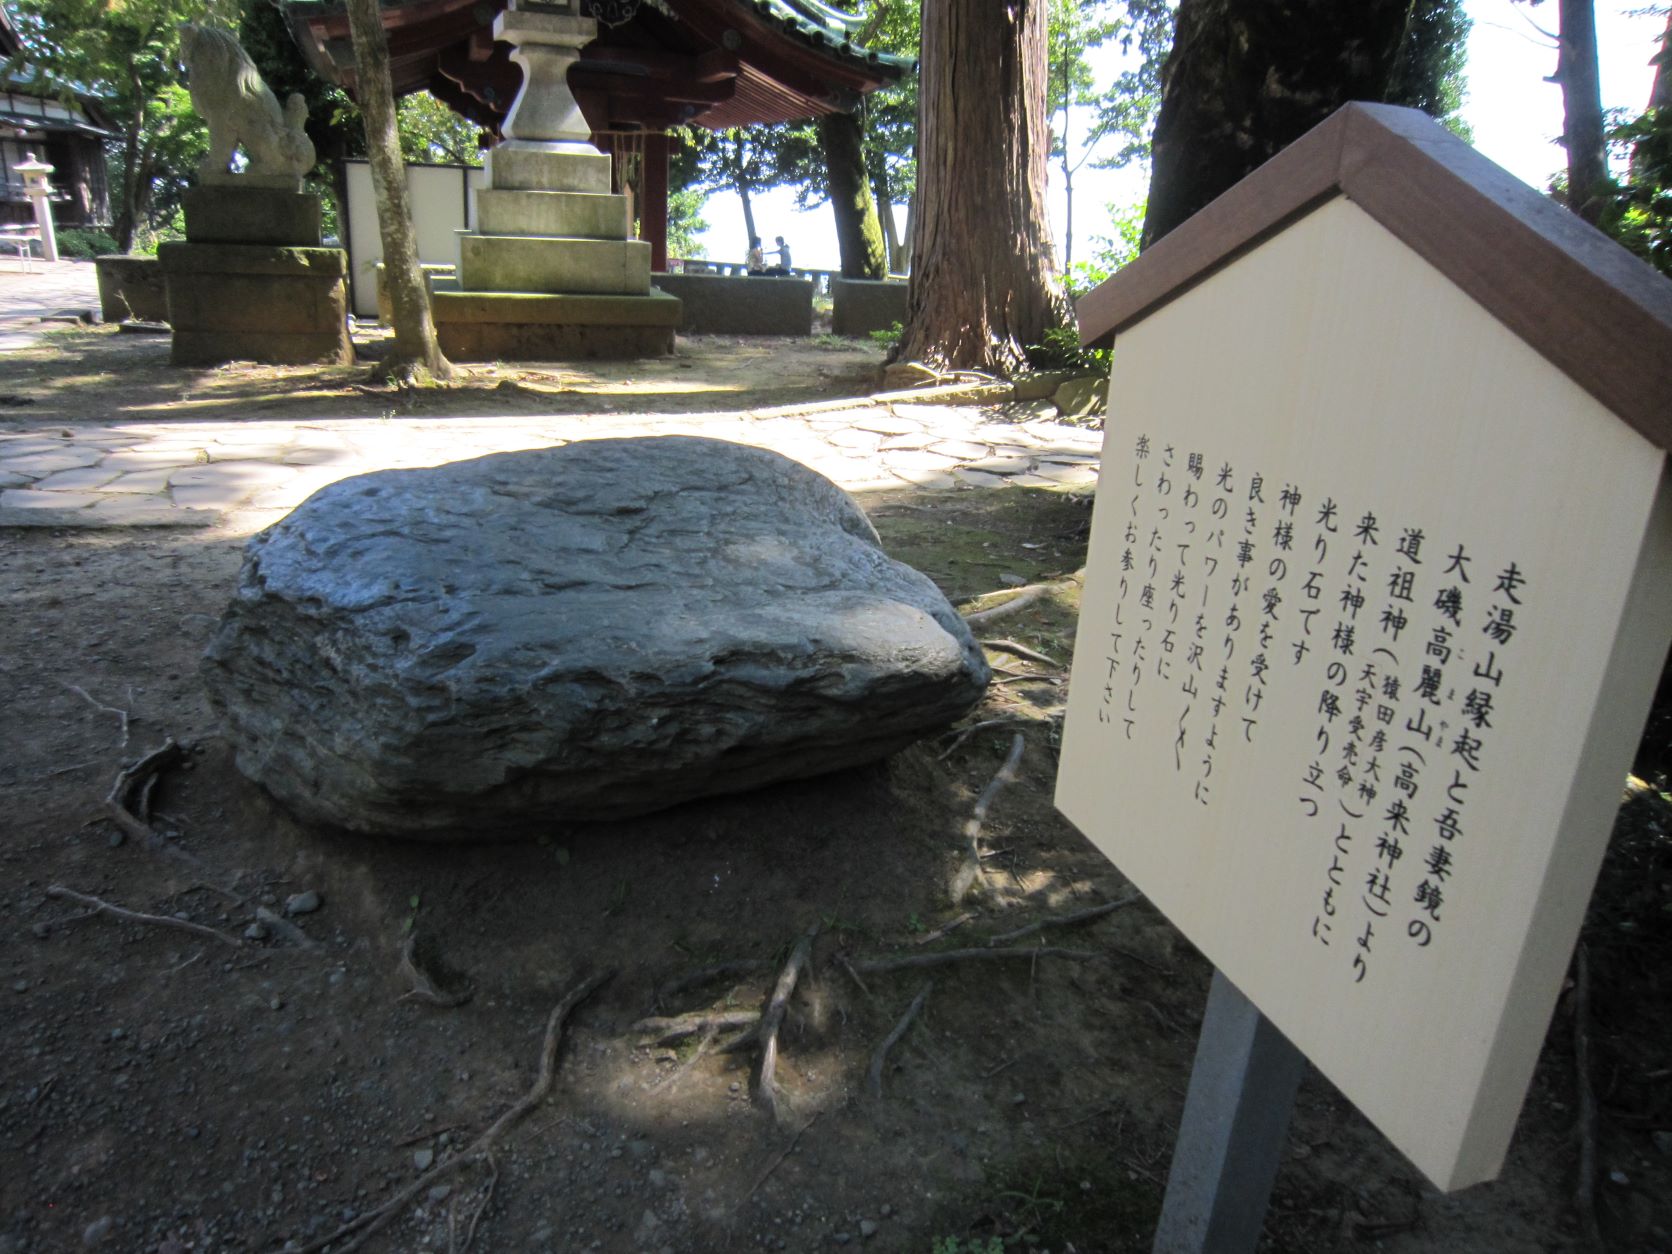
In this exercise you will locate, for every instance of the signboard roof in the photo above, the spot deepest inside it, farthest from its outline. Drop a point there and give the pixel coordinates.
(1600, 315)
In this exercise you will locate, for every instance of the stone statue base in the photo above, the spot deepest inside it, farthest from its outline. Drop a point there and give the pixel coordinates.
(254, 302)
(238, 213)
(251, 282)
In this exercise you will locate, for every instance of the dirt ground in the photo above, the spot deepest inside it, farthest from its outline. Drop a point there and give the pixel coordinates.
(162, 1090)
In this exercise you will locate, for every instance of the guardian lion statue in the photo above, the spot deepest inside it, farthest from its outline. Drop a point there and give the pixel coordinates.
(228, 94)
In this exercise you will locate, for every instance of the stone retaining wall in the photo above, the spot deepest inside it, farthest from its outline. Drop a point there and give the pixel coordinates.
(717, 304)
(131, 288)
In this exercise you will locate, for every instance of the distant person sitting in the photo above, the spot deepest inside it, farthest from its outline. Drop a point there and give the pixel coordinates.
(756, 262)
(782, 269)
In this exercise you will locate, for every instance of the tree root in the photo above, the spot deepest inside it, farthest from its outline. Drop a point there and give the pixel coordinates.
(1066, 920)
(129, 800)
(879, 1059)
(101, 706)
(702, 975)
(100, 906)
(362, 1227)
(902, 962)
(424, 989)
(1020, 650)
(772, 1017)
(678, 1027)
(970, 873)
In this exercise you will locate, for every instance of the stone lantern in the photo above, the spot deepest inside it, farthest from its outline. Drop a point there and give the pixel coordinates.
(38, 190)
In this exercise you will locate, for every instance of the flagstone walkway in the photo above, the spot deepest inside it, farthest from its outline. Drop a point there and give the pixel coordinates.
(249, 473)
(172, 474)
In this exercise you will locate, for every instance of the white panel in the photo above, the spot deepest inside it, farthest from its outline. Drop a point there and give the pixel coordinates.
(1233, 784)
(436, 196)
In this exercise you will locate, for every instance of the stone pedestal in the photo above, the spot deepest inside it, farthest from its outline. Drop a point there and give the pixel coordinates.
(251, 282)
(549, 272)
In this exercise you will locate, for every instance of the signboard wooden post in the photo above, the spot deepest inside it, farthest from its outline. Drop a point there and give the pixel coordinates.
(1376, 601)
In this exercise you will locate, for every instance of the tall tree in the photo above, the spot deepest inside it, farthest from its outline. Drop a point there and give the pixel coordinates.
(888, 118)
(1588, 186)
(1087, 120)
(417, 357)
(734, 160)
(1248, 77)
(858, 232)
(984, 285)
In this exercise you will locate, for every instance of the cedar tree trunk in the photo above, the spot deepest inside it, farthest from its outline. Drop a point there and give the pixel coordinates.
(858, 233)
(416, 356)
(1576, 71)
(984, 284)
(1246, 78)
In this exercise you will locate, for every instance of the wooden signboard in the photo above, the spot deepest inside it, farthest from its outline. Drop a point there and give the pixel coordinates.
(1376, 602)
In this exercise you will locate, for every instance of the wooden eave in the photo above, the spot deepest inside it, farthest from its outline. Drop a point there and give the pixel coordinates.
(1590, 308)
(722, 63)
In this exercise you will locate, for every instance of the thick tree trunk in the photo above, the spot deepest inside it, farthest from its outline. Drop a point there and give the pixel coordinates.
(1246, 78)
(416, 356)
(984, 284)
(858, 233)
(1581, 83)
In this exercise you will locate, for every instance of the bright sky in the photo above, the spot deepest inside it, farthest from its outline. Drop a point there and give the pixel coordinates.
(1515, 114)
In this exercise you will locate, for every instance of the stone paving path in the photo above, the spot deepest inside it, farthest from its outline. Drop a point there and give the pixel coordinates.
(248, 474)
(27, 296)
(174, 474)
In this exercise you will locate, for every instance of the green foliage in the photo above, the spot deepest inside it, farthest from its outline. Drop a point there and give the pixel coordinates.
(74, 243)
(1061, 351)
(685, 223)
(1125, 110)
(887, 339)
(1428, 74)
(1111, 251)
(975, 1245)
(433, 134)
(1639, 214)
(124, 54)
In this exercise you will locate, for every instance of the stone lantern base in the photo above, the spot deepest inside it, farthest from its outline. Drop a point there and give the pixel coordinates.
(550, 272)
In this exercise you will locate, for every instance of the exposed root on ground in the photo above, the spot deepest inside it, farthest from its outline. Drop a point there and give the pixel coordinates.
(362, 1227)
(903, 962)
(129, 800)
(100, 705)
(422, 988)
(970, 873)
(1067, 920)
(879, 1059)
(772, 1017)
(101, 906)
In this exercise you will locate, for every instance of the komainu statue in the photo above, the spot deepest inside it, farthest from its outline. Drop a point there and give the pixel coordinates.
(228, 94)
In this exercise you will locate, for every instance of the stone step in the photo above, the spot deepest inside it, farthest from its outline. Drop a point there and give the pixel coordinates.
(571, 215)
(516, 263)
(519, 165)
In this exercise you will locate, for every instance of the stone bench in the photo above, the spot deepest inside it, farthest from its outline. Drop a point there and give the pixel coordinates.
(716, 304)
(860, 306)
(131, 288)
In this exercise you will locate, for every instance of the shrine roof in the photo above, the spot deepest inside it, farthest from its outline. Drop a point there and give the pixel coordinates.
(1589, 307)
(709, 63)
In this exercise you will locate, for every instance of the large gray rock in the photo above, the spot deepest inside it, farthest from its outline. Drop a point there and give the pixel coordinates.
(592, 631)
